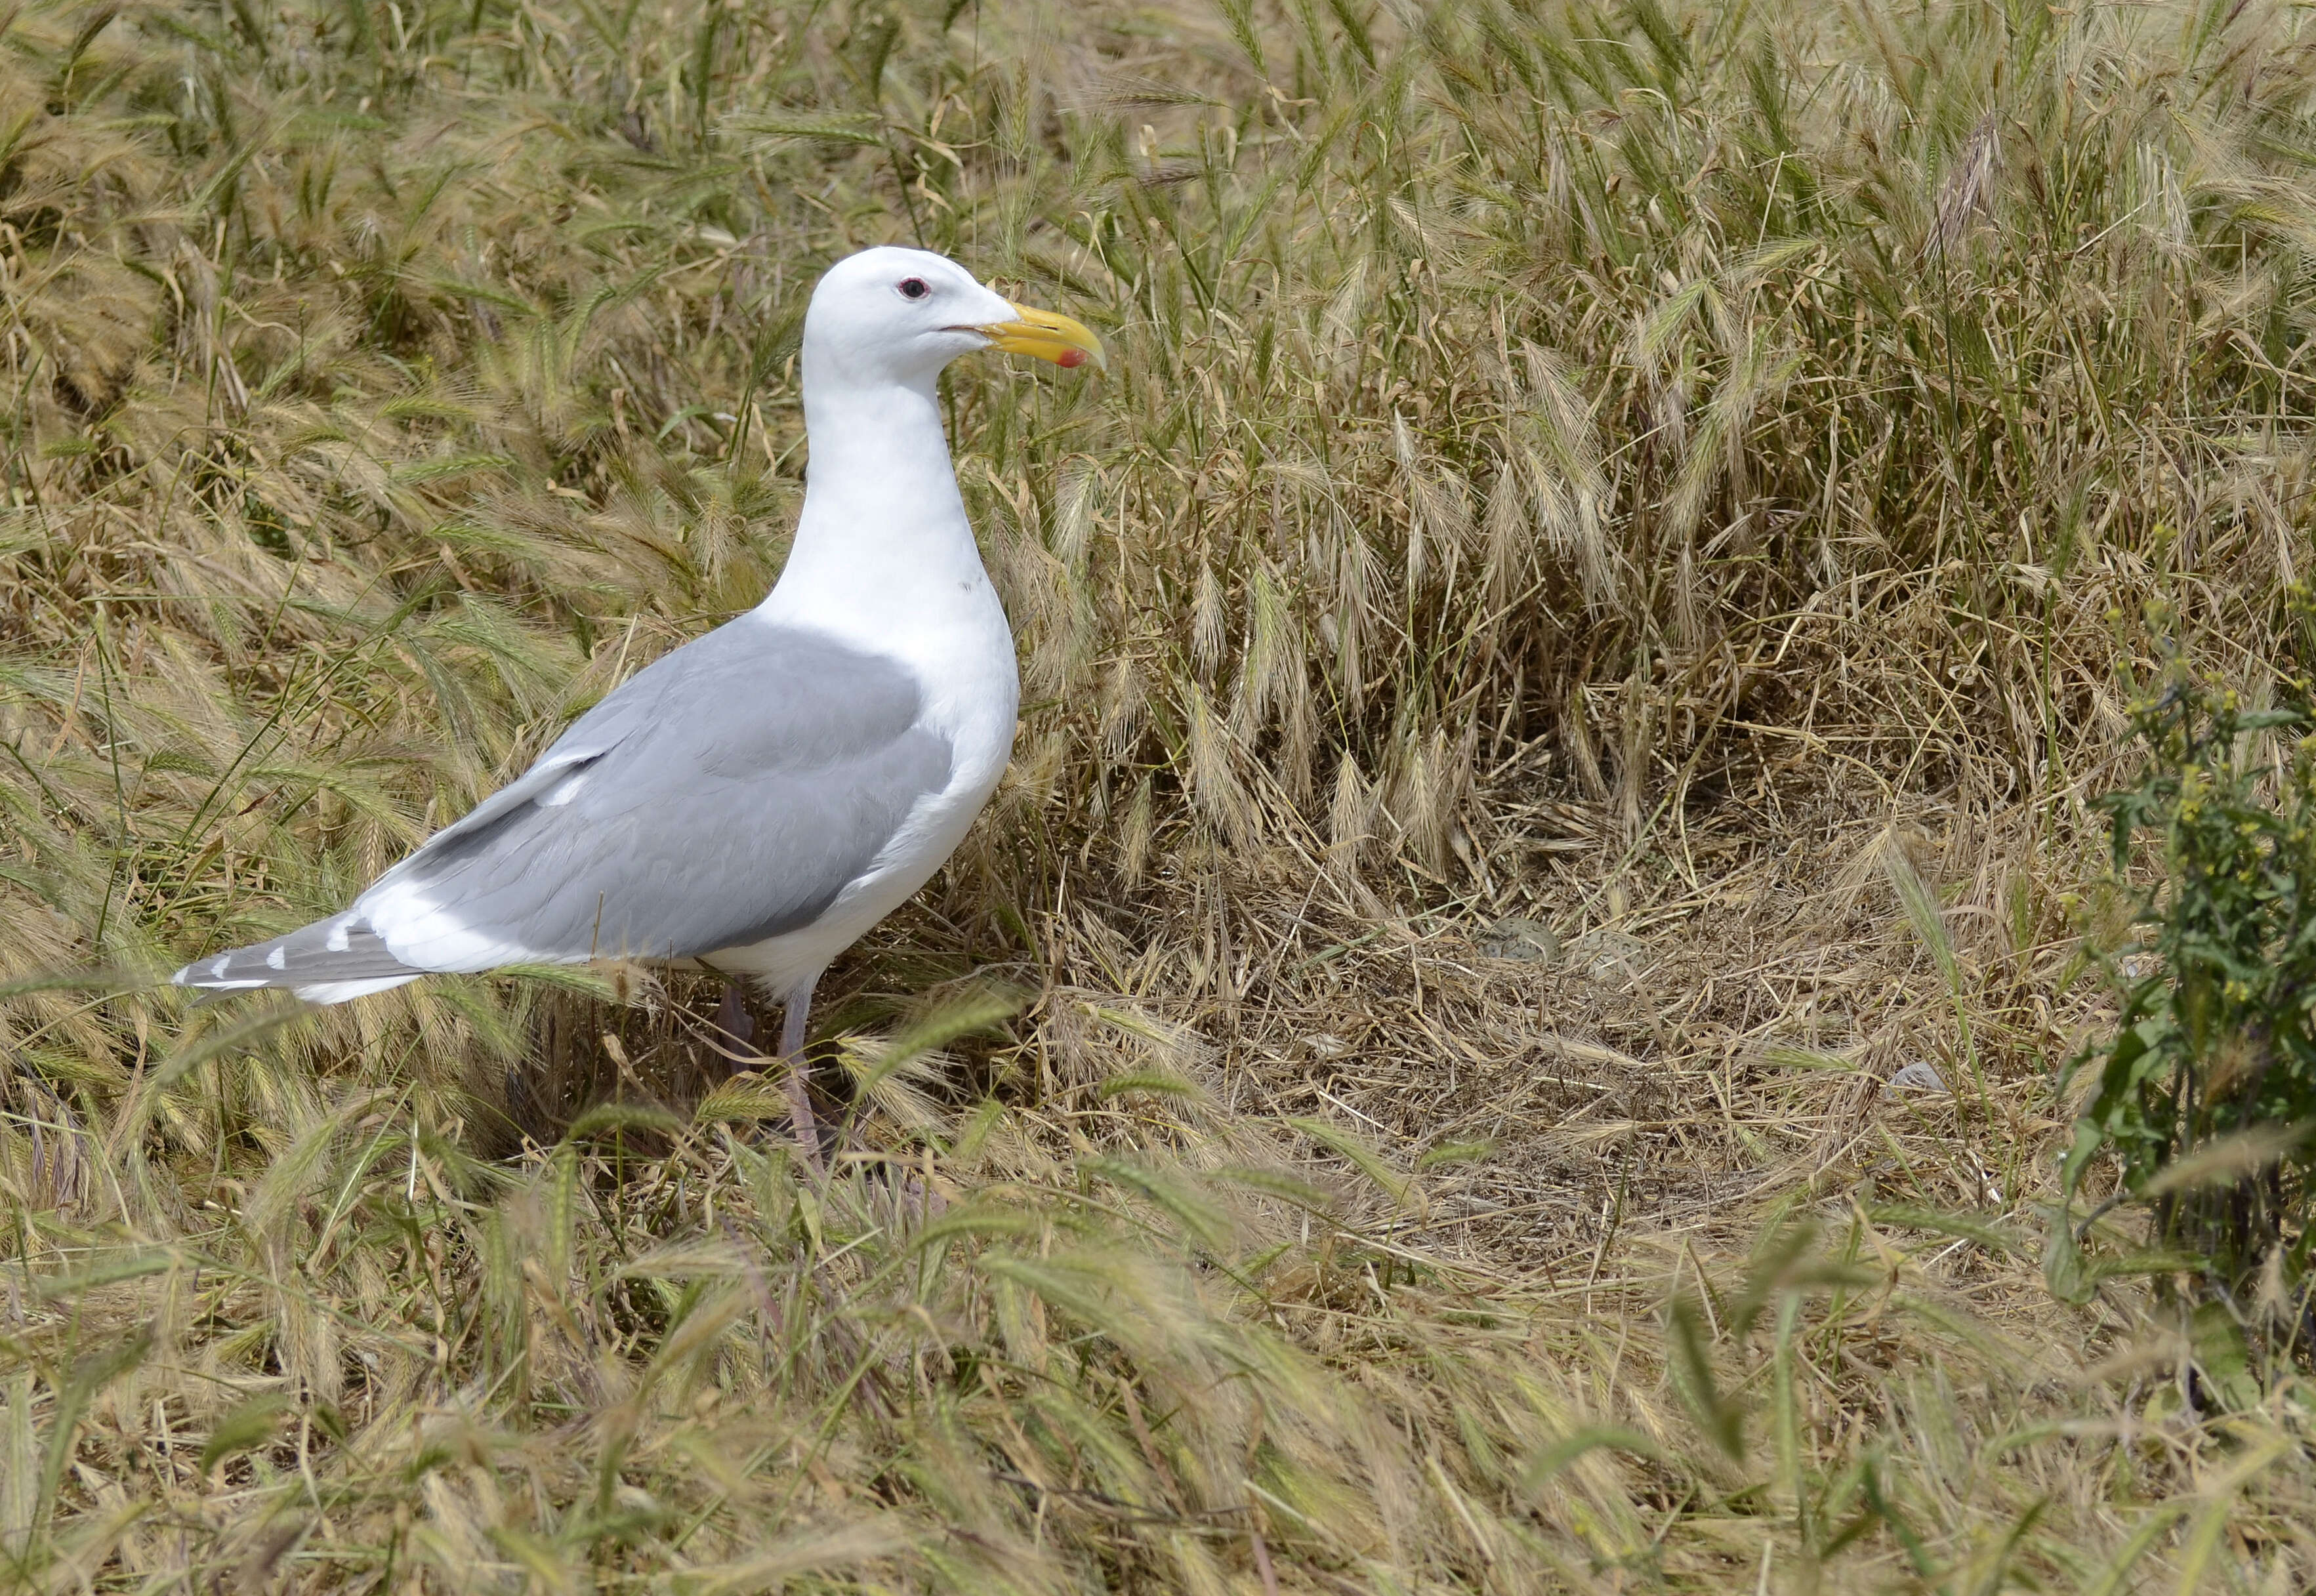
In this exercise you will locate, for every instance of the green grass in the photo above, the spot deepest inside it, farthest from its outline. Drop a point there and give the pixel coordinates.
(1693, 480)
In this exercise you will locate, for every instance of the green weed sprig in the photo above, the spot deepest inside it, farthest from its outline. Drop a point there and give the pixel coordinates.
(2208, 1087)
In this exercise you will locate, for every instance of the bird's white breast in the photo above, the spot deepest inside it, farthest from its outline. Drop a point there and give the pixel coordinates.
(957, 647)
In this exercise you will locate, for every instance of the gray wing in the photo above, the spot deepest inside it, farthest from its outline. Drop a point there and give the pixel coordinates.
(336, 953)
(725, 794)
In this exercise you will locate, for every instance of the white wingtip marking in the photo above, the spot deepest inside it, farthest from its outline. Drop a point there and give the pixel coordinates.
(428, 936)
(336, 942)
(338, 992)
(279, 960)
(218, 967)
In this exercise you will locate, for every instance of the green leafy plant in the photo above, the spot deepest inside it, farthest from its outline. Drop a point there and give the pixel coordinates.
(2207, 1086)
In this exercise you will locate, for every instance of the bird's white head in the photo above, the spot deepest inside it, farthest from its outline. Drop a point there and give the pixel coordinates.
(898, 315)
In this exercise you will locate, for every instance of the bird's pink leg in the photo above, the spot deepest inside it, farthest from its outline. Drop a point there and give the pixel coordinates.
(798, 1005)
(739, 1031)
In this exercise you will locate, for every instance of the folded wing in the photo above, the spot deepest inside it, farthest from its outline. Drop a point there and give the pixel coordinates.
(727, 793)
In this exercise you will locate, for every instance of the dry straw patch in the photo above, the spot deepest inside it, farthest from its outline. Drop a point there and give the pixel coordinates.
(1574, 648)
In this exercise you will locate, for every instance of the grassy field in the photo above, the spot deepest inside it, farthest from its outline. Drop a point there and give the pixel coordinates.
(1578, 639)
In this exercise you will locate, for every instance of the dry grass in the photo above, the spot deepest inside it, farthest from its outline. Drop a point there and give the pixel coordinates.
(1575, 646)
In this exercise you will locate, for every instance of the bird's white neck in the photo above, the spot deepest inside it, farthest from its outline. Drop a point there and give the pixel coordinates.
(883, 534)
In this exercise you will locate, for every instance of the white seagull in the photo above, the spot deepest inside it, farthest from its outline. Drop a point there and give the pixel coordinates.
(757, 800)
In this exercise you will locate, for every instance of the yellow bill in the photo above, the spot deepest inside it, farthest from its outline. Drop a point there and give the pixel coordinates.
(1048, 336)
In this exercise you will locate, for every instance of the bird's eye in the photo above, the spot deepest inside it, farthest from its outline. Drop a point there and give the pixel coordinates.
(913, 288)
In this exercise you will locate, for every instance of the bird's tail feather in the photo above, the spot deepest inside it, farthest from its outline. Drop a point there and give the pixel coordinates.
(326, 962)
